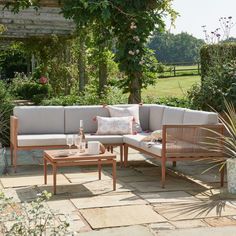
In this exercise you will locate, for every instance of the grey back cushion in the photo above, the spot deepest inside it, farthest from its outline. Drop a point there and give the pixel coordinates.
(173, 116)
(40, 119)
(156, 116)
(200, 117)
(143, 114)
(73, 115)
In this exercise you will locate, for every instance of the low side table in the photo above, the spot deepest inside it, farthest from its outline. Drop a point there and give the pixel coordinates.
(56, 159)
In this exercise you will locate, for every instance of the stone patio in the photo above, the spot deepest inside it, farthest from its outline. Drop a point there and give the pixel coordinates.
(139, 206)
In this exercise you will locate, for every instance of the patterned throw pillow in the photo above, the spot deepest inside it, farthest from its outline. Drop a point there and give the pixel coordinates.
(127, 111)
(115, 125)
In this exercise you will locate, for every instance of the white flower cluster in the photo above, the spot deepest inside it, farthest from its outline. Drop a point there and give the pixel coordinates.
(133, 52)
(136, 38)
(133, 25)
(141, 62)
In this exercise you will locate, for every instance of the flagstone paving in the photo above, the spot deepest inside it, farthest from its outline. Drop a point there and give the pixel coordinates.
(121, 216)
(190, 203)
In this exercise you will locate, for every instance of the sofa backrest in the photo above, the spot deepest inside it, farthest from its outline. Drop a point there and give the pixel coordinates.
(200, 117)
(73, 115)
(161, 115)
(144, 111)
(40, 119)
(173, 115)
(59, 120)
(155, 117)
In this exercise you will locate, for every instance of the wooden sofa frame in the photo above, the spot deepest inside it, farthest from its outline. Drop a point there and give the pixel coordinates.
(14, 144)
(177, 156)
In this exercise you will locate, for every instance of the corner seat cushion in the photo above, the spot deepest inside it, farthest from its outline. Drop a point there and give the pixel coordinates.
(105, 139)
(135, 140)
(40, 119)
(155, 149)
(31, 140)
(155, 118)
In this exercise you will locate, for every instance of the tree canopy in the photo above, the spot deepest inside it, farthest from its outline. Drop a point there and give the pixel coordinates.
(170, 48)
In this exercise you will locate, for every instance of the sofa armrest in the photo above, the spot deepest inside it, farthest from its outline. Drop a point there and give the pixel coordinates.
(13, 130)
(192, 140)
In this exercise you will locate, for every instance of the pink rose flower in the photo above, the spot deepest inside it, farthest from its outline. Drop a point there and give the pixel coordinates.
(43, 80)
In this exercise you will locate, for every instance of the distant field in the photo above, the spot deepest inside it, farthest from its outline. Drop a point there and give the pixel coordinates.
(173, 86)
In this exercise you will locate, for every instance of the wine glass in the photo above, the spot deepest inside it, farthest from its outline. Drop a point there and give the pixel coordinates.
(69, 140)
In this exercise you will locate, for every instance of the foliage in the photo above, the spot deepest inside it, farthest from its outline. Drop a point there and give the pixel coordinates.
(23, 87)
(216, 55)
(220, 84)
(229, 123)
(5, 112)
(12, 59)
(111, 95)
(31, 218)
(168, 101)
(131, 23)
(225, 142)
(170, 48)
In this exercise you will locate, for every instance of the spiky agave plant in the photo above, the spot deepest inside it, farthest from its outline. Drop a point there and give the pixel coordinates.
(224, 142)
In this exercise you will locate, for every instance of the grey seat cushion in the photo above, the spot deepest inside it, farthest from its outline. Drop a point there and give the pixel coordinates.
(155, 149)
(135, 140)
(41, 140)
(105, 139)
(73, 115)
(40, 119)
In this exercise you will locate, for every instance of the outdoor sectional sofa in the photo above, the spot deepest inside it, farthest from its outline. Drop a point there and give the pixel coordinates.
(183, 131)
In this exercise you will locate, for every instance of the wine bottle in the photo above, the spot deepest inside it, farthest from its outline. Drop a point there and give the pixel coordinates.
(82, 137)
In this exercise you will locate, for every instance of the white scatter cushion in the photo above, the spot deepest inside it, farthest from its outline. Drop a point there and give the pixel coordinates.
(115, 125)
(127, 111)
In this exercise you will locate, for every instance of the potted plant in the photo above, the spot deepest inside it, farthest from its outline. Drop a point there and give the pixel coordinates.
(227, 144)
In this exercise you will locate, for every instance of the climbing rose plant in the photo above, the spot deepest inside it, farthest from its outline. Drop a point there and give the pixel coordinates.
(130, 23)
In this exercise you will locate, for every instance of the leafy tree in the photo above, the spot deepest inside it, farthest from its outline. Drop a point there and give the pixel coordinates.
(170, 48)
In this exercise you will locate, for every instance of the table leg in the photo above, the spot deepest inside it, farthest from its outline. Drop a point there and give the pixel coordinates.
(99, 169)
(114, 174)
(54, 168)
(45, 167)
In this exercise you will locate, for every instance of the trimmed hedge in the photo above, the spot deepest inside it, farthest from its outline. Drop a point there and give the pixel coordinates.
(216, 54)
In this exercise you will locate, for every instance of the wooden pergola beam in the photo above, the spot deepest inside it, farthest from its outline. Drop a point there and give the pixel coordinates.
(47, 20)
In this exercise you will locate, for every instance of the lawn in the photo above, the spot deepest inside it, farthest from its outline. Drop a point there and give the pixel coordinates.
(173, 86)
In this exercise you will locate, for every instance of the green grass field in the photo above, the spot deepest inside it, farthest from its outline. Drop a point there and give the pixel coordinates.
(173, 86)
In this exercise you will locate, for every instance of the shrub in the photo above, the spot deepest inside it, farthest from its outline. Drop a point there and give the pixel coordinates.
(5, 112)
(220, 84)
(168, 101)
(26, 88)
(112, 95)
(216, 54)
(33, 218)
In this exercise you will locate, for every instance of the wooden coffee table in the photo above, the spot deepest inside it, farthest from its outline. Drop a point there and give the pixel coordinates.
(58, 158)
